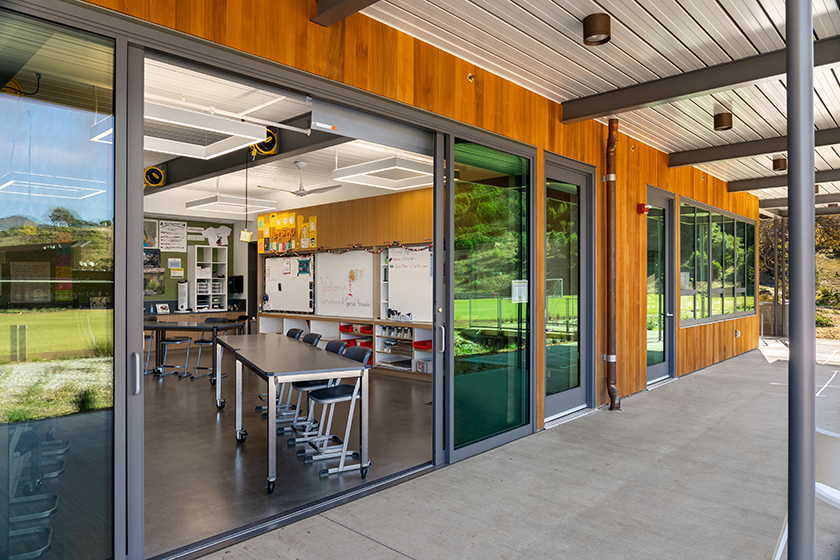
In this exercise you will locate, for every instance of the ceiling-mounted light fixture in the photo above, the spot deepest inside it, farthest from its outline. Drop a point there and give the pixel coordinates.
(231, 204)
(240, 134)
(723, 121)
(596, 29)
(392, 173)
(245, 235)
(50, 186)
(779, 164)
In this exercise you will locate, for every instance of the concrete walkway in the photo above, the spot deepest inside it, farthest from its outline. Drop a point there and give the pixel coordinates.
(695, 468)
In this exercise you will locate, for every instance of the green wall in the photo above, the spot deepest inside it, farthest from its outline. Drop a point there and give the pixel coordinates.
(171, 288)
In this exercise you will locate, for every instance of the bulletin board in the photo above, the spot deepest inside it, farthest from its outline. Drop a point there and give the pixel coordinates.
(344, 286)
(286, 231)
(290, 284)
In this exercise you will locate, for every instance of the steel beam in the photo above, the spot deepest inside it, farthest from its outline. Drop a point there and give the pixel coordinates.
(182, 171)
(778, 181)
(801, 366)
(767, 146)
(783, 202)
(705, 81)
(817, 212)
(333, 11)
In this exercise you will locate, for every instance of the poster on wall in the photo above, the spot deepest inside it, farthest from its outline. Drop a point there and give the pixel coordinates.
(153, 282)
(217, 236)
(151, 258)
(150, 234)
(172, 236)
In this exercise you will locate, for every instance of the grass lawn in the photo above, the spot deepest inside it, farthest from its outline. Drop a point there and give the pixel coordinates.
(71, 333)
(486, 311)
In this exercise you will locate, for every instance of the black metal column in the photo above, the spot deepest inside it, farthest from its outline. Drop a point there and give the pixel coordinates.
(802, 334)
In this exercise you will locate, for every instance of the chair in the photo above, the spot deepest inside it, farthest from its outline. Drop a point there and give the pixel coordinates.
(828, 478)
(203, 342)
(311, 338)
(306, 430)
(328, 398)
(175, 341)
(246, 325)
(283, 409)
(150, 338)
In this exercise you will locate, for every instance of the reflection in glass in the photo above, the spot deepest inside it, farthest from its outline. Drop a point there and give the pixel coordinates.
(729, 265)
(750, 265)
(717, 264)
(562, 268)
(740, 266)
(701, 261)
(655, 286)
(491, 331)
(688, 254)
(56, 290)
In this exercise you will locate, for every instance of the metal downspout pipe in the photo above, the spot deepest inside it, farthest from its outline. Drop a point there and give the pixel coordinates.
(610, 356)
(802, 333)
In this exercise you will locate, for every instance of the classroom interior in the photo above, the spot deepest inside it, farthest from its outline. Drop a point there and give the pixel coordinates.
(340, 245)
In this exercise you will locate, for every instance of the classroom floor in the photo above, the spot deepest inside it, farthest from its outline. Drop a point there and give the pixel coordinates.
(200, 482)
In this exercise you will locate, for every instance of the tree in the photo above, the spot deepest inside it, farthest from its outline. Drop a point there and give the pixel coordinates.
(61, 216)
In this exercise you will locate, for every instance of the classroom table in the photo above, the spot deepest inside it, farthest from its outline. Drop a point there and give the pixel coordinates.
(280, 359)
(162, 327)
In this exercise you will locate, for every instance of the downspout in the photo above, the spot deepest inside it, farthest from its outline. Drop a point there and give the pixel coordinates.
(610, 357)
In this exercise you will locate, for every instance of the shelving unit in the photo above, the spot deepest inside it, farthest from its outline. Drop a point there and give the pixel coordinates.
(403, 346)
(208, 277)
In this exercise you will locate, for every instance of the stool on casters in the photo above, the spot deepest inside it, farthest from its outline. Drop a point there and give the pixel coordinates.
(201, 343)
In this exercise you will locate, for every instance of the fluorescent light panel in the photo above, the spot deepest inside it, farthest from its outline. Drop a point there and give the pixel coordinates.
(241, 134)
(231, 204)
(369, 174)
(103, 131)
(50, 186)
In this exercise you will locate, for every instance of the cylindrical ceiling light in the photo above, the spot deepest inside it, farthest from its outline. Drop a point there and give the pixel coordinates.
(596, 29)
(723, 121)
(779, 164)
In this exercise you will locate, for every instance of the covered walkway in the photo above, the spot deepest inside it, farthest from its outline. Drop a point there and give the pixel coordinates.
(695, 468)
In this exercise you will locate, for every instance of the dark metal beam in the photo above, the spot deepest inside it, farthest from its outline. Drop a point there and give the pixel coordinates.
(704, 81)
(817, 212)
(779, 181)
(182, 171)
(333, 11)
(783, 202)
(828, 137)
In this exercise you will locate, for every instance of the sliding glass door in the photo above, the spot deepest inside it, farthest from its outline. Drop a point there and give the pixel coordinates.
(490, 381)
(57, 289)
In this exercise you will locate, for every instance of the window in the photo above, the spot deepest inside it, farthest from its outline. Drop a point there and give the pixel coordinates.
(717, 264)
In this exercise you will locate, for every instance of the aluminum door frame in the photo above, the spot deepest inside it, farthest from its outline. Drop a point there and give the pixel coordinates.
(667, 201)
(563, 169)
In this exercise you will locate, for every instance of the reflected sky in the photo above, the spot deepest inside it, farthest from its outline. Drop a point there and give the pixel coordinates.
(47, 160)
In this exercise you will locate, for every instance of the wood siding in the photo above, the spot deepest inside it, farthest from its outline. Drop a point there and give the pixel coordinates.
(366, 54)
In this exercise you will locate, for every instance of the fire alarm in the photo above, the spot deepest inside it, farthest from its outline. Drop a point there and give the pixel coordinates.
(643, 208)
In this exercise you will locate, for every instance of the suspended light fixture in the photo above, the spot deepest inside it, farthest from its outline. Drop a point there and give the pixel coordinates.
(723, 121)
(245, 235)
(779, 164)
(392, 173)
(231, 204)
(596, 29)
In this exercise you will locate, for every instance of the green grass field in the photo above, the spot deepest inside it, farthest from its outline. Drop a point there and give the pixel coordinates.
(71, 333)
(486, 311)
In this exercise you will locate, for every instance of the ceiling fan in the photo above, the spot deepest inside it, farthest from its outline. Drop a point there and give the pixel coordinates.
(301, 191)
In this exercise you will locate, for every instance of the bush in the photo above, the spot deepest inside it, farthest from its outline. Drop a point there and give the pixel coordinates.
(823, 321)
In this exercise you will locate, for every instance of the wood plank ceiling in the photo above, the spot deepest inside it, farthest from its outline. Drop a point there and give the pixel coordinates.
(537, 44)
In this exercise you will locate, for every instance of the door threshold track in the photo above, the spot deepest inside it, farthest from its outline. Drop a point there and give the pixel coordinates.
(656, 383)
(568, 416)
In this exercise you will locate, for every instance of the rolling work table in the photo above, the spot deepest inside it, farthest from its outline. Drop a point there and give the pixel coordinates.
(280, 359)
(162, 327)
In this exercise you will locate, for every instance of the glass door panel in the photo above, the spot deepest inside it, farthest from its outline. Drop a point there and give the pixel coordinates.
(56, 290)
(660, 289)
(490, 277)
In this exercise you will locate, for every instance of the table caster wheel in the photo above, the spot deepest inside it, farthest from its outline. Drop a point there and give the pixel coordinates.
(212, 381)
(32, 487)
(220, 404)
(241, 436)
(364, 471)
(270, 487)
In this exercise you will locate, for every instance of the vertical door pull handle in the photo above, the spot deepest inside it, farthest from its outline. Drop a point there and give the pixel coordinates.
(442, 339)
(135, 360)
(669, 314)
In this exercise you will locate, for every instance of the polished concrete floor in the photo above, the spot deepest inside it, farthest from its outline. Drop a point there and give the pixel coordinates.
(200, 482)
(693, 469)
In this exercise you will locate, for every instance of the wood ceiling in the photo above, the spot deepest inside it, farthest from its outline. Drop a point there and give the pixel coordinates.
(538, 45)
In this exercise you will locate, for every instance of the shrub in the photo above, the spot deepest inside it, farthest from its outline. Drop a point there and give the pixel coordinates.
(823, 321)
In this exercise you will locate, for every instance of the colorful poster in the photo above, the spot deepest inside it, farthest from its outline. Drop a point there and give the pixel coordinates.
(150, 234)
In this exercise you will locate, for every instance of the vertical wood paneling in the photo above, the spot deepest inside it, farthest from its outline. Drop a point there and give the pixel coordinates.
(367, 54)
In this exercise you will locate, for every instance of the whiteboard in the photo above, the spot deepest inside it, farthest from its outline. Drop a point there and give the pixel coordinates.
(345, 284)
(410, 283)
(288, 285)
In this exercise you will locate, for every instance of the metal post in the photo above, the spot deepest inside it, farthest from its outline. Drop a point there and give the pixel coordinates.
(783, 301)
(775, 276)
(801, 368)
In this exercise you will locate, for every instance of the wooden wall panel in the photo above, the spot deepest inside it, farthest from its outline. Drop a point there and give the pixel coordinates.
(367, 54)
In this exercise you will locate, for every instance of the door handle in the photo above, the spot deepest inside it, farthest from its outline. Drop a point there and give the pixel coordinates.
(442, 339)
(669, 314)
(135, 359)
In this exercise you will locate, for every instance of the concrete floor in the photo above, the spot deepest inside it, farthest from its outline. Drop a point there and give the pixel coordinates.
(695, 468)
